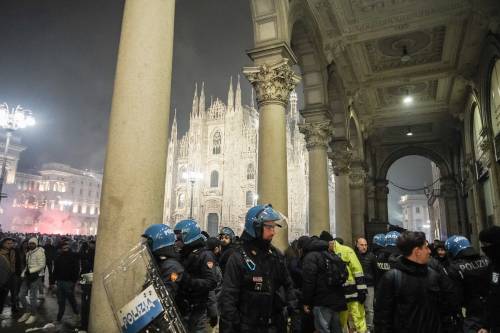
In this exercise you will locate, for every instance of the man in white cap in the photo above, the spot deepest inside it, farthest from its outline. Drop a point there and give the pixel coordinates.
(31, 276)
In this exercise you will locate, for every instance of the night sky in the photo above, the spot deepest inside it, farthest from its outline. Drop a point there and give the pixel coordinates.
(58, 59)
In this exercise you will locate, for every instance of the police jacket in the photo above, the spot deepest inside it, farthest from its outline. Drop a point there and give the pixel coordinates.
(369, 263)
(493, 299)
(386, 258)
(469, 271)
(198, 277)
(315, 289)
(411, 298)
(251, 294)
(226, 253)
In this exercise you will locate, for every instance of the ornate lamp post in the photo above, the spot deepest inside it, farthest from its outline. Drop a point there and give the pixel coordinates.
(192, 177)
(11, 120)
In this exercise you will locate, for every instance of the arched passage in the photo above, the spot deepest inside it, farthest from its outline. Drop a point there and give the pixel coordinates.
(442, 196)
(411, 201)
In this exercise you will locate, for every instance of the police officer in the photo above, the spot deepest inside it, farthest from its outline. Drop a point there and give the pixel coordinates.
(227, 238)
(161, 241)
(198, 277)
(490, 239)
(255, 278)
(387, 256)
(469, 271)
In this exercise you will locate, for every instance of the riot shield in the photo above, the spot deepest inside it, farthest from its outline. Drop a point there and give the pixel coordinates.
(138, 297)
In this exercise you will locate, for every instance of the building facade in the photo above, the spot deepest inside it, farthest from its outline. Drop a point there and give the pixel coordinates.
(56, 199)
(416, 213)
(221, 145)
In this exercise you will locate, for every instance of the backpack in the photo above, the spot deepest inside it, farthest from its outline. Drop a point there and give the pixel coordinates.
(336, 269)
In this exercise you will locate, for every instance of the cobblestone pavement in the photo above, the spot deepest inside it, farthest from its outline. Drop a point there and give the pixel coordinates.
(47, 312)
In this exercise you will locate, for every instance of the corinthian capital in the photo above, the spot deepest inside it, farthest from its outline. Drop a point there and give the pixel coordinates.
(317, 134)
(272, 83)
(340, 156)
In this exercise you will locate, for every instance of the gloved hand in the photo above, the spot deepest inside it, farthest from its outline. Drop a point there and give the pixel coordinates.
(361, 296)
(213, 321)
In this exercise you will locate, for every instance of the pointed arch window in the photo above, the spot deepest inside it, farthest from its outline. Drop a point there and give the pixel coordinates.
(214, 179)
(217, 142)
(250, 171)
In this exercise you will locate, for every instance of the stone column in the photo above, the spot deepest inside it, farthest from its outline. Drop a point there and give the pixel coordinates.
(358, 199)
(341, 160)
(381, 192)
(448, 192)
(273, 84)
(317, 136)
(134, 174)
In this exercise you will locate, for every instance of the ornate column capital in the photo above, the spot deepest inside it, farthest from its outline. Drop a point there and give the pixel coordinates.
(317, 134)
(340, 156)
(272, 83)
(357, 176)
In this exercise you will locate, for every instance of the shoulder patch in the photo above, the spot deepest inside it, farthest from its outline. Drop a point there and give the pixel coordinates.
(210, 264)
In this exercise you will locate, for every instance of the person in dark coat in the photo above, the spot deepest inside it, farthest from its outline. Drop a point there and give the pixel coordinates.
(490, 239)
(198, 278)
(228, 246)
(469, 272)
(411, 297)
(324, 300)
(257, 286)
(50, 256)
(66, 274)
(7, 272)
(369, 262)
(214, 247)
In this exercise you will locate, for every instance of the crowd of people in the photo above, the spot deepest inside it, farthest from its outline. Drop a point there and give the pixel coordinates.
(35, 265)
(399, 283)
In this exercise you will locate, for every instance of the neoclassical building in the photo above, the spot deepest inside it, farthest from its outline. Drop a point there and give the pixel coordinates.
(221, 146)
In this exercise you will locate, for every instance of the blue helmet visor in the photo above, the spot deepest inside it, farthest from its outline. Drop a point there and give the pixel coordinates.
(270, 215)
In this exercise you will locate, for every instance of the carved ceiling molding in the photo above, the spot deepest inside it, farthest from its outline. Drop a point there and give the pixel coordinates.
(423, 47)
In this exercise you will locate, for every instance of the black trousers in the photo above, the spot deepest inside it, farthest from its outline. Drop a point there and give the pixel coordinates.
(10, 286)
(85, 307)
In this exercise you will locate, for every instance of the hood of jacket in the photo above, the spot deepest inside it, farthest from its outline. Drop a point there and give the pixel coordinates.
(315, 244)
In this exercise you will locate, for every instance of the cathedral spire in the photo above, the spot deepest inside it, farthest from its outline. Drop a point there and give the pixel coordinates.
(201, 109)
(230, 96)
(237, 99)
(194, 111)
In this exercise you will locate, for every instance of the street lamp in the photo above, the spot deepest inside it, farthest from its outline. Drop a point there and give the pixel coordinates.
(11, 120)
(192, 177)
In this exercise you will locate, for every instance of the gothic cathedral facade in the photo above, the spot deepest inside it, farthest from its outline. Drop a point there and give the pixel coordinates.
(221, 146)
